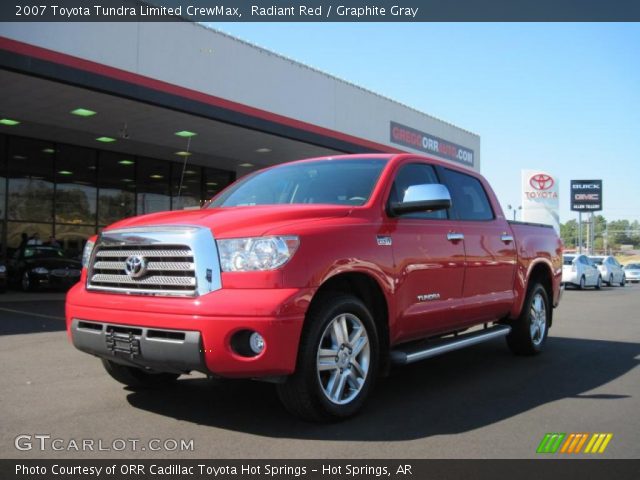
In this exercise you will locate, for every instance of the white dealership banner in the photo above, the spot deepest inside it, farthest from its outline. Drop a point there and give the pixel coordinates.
(540, 198)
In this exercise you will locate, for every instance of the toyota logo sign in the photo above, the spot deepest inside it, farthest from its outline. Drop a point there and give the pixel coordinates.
(135, 266)
(541, 181)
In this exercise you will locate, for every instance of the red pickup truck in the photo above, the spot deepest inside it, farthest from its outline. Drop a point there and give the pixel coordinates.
(317, 275)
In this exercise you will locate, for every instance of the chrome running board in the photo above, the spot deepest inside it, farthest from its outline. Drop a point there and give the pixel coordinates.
(414, 353)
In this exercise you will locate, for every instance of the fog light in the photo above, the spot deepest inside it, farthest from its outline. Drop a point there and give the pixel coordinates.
(256, 342)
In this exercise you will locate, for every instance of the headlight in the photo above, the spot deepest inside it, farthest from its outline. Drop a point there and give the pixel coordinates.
(257, 253)
(86, 253)
(40, 270)
(3, 269)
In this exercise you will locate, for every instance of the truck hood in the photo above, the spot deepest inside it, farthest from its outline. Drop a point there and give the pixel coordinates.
(230, 222)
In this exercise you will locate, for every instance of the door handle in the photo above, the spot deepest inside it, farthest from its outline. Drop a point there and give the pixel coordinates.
(506, 238)
(455, 237)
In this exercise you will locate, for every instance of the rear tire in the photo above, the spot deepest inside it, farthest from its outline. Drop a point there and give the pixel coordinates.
(582, 283)
(337, 361)
(599, 283)
(529, 332)
(136, 377)
(610, 282)
(623, 281)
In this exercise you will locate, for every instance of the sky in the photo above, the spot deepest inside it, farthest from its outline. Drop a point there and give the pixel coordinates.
(560, 97)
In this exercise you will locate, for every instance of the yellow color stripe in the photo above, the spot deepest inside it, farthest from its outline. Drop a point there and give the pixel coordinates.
(565, 446)
(591, 442)
(598, 442)
(607, 439)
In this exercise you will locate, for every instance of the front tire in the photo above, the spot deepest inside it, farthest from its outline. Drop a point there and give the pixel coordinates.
(610, 282)
(582, 283)
(529, 332)
(623, 281)
(599, 283)
(136, 377)
(337, 361)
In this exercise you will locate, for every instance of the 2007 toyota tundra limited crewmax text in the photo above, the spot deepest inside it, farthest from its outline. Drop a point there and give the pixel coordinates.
(316, 275)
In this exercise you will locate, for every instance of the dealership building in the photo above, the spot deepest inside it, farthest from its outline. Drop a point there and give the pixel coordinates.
(101, 121)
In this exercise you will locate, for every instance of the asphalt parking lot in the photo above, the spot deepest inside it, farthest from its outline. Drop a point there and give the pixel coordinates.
(476, 403)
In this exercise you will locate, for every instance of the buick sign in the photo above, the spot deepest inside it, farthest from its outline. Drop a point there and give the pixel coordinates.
(586, 195)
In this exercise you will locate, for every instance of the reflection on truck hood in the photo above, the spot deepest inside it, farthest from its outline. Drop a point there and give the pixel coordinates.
(239, 221)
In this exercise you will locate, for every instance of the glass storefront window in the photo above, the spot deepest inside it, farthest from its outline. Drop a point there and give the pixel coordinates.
(72, 238)
(190, 194)
(215, 181)
(72, 192)
(152, 186)
(3, 192)
(19, 233)
(30, 180)
(116, 182)
(75, 174)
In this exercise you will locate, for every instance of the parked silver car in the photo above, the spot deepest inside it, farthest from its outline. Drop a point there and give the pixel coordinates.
(632, 272)
(579, 271)
(610, 270)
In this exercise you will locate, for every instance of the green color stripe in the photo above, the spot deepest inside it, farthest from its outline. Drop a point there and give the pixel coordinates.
(543, 443)
(556, 446)
(551, 442)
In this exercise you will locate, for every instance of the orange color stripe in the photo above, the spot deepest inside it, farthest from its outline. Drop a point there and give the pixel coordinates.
(567, 442)
(584, 439)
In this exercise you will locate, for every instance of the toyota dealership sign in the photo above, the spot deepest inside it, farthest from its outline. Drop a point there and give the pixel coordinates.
(540, 199)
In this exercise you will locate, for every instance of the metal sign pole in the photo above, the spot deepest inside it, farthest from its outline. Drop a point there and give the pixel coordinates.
(593, 235)
(579, 232)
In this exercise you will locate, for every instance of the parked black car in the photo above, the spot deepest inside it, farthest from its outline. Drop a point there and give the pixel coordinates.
(3, 278)
(43, 266)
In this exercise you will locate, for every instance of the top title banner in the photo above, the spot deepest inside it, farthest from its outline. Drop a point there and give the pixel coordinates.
(318, 10)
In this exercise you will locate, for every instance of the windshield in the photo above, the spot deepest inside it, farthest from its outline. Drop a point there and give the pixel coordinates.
(633, 266)
(334, 182)
(43, 252)
(568, 259)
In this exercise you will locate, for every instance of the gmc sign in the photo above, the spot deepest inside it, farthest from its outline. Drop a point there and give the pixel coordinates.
(586, 195)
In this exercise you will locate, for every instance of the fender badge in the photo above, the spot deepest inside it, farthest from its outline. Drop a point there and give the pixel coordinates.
(384, 241)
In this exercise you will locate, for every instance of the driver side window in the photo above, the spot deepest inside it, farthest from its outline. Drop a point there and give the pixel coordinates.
(410, 175)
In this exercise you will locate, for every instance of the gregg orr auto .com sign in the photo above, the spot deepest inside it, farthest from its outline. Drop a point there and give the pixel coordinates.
(586, 195)
(410, 137)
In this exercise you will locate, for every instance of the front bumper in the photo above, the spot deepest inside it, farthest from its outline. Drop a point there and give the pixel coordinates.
(200, 329)
(165, 350)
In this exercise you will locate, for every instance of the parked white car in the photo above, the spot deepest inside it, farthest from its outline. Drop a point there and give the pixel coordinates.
(610, 270)
(632, 272)
(579, 271)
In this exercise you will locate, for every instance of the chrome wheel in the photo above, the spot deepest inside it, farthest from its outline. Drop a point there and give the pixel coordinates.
(538, 319)
(343, 358)
(26, 282)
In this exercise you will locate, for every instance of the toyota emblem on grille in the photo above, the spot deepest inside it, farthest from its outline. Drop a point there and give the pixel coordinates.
(135, 266)
(541, 181)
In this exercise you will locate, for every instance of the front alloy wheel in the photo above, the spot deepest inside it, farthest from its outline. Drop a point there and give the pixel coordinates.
(343, 358)
(337, 361)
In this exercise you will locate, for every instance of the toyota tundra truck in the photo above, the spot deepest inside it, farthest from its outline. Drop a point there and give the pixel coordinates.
(319, 276)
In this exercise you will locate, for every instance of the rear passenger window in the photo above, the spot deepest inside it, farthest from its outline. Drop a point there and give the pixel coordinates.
(468, 197)
(410, 175)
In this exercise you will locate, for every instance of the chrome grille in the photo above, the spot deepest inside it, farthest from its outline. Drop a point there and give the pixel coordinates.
(177, 261)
